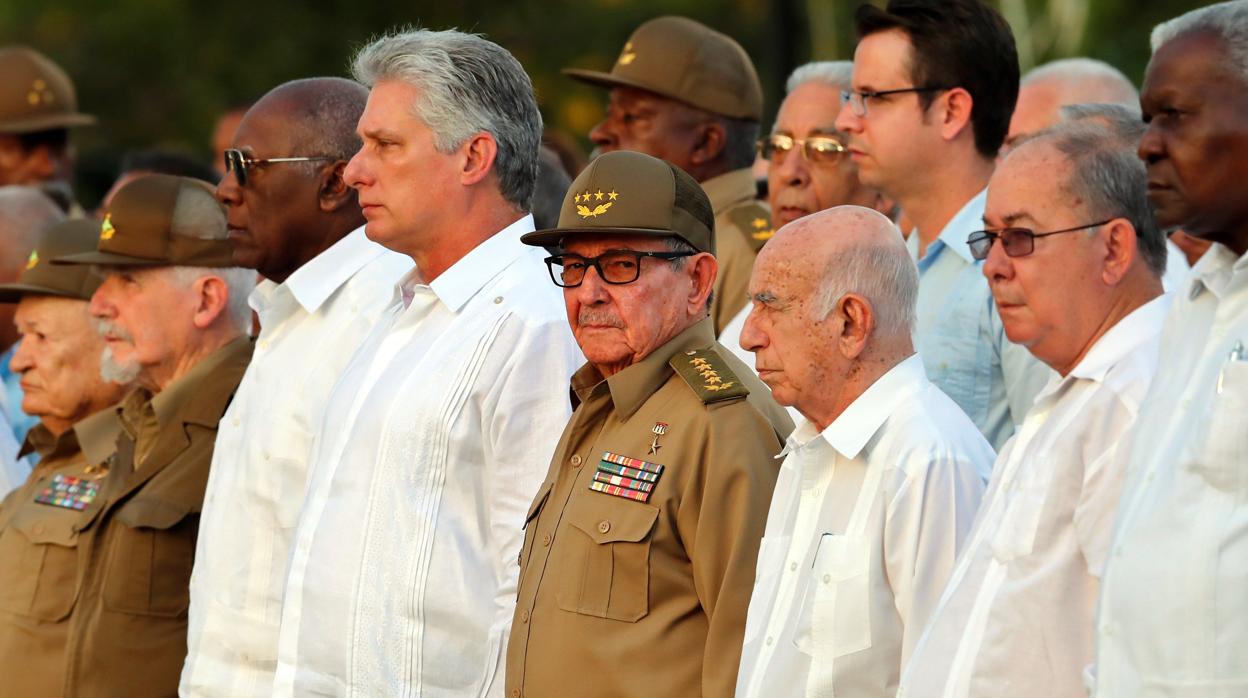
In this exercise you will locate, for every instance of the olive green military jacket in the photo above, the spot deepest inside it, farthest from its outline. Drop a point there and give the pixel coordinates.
(127, 634)
(39, 532)
(639, 550)
(742, 226)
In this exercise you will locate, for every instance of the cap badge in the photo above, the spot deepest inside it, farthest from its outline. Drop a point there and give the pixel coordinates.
(627, 55)
(107, 231)
(39, 92)
(584, 211)
(32, 260)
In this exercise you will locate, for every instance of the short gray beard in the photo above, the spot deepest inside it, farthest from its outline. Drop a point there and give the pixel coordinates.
(114, 371)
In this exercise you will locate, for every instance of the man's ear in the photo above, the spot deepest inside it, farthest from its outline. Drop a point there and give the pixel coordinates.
(1122, 247)
(333, 193)
(213, 296)
(955, 108)
(858, 322)
(703, 269)
(709, 142)
(479, 153)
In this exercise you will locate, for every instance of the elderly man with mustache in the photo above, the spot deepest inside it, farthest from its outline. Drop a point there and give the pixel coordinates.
(172, 309)
(640, 545)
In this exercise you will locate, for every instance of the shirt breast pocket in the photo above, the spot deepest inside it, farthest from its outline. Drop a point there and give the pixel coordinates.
(835, 615)
(1222, 464)
(40, 552)
(152, 552)
(1015, 536)
(604, 558)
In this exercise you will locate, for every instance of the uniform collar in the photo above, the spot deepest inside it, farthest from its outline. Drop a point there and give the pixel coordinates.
(313, 283)
(474, 270)
(730, 188)
(97, 435)
(850, 432)
(40, 440)
(634, 385)
(198, 397)
(966, 221)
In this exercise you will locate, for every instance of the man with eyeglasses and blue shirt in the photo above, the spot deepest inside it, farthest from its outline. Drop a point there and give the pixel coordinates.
(934, 85)
(639, 548)
(1074, 259)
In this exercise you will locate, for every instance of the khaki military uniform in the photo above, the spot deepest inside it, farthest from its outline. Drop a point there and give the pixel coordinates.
(742, 226)
(39, 531)
(128, 629)
(639, 551)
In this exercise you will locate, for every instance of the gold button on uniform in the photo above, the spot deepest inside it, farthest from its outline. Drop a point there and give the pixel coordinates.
(604, 526)
(524, 616)
(576, 461)
(546, 539)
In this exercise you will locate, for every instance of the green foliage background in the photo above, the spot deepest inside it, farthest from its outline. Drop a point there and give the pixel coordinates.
(159, 72)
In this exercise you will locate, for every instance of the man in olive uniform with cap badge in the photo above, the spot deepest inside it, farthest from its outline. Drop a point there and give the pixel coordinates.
(639, 550)
(172, 309)
(58, 358)
(685, 93)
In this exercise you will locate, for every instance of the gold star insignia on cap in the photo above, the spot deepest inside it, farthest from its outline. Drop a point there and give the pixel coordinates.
(627, 55)
(598, 195)
(32, 260)
(107, 231)
(585, 211)
(613, 195)
(759, 223)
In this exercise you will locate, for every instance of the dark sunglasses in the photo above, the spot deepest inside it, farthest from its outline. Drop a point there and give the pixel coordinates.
(1017, 242)
(236, 161)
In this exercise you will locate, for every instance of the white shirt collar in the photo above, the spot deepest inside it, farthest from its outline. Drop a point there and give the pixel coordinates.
(967, 220)
(320, 277)
(850, 432)
(1214, 270)
(468, 275)
(1138, 327)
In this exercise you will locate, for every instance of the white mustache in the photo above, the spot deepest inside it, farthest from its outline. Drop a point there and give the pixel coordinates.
(112, 330)
(595, 316)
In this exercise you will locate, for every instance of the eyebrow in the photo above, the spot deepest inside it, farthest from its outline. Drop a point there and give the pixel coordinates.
(765, 297)
(378, 134)
(1012, 219)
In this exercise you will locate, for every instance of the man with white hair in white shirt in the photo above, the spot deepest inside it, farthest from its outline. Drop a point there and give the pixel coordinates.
(880, 482)
(402, 577)
(1173, 615)
(1074, 260)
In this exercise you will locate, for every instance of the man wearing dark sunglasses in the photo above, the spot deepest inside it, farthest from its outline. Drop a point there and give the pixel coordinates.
(934, 85)
(1074, 259)
(643, 538)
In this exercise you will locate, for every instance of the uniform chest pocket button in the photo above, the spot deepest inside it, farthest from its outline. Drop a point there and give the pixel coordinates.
(603, 558)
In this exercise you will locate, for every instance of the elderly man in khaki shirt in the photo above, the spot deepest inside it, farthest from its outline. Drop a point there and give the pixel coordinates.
(58, 357)
(639, 551)
(172, 310)
(685, 93)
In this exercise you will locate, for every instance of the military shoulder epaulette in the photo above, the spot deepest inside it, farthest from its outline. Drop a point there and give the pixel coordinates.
(754, 219)
(708, 374)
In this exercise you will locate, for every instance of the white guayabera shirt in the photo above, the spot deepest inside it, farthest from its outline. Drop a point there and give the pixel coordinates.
(1174, 602)
(1017, 617)
(863, 530)
(311, 325)
(403, 573)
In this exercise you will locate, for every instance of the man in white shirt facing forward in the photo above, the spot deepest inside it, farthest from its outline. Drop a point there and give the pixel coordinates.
(402, 577)
(294, 220)
(1074, 259)
(1174, 606)
(881, 481)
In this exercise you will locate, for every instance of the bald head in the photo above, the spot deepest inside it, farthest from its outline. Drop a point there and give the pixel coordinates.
(323, 113)
(1048, 88)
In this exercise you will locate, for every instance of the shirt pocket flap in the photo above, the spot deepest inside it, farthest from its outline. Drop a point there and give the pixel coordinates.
(841, 557)
(54, 530)
(605, 520)
(150, 512)
(542, 495)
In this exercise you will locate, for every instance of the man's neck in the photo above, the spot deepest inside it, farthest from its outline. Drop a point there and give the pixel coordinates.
(1130, 297)
(446, 247)
(313, 245)
(866, 370)
(931, 207)
(161, 377)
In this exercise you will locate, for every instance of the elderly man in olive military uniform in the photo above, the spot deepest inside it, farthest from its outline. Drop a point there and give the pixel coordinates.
(38, 106)
(58, 357)
(685, 93)
(639, 552)
(174, 318)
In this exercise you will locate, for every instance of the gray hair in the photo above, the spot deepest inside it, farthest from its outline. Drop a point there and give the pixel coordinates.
(324, 114)
(883, 274)
(1088, 79)
(838, 74)
(1227, 20)
(467, 85)
(238, 281)
(25, 213)
(675, 244)
(1111, 181)
(1123, 123)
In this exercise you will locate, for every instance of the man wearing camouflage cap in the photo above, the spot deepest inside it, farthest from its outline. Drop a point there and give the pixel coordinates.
(173, 312)
(685, 93)
(38, 106)
(639, 551)
(58, 357)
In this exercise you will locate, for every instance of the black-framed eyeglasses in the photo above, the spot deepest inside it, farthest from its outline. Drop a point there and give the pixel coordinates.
(816, 149)
(857, 100)
(1017, 242)
(236, 161)
(614, 266)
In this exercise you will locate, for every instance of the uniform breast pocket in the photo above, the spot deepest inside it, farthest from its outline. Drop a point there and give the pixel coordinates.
(39, 563)
(1223, 461)
(835, 615)
(152, 550)
(604, 557)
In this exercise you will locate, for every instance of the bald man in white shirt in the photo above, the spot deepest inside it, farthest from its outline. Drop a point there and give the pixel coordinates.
(880, 481)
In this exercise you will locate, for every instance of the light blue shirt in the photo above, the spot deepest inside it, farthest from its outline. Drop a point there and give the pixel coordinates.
(12, 399)
(960, 336)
